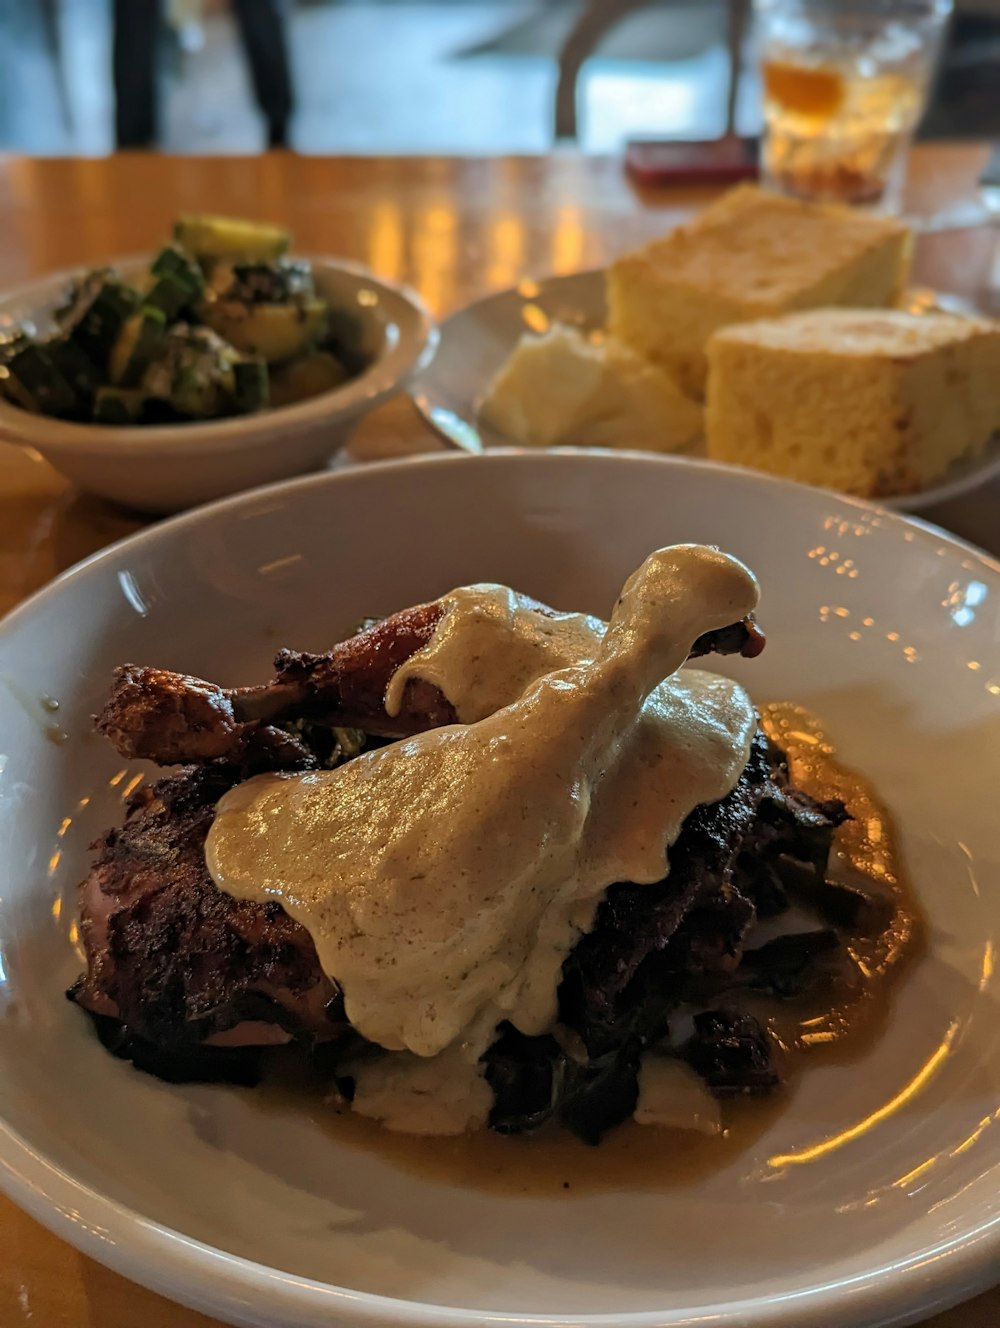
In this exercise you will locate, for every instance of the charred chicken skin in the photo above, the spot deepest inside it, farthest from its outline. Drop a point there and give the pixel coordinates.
(180, 977)
(174, 719)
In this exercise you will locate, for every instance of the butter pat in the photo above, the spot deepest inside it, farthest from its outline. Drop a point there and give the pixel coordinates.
(560, 389)
(869, 402)
(750, 255)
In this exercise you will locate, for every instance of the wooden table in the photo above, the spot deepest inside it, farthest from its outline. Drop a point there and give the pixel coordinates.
(455, 229)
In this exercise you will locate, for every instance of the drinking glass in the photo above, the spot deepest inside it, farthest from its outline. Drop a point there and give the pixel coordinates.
(845, 83)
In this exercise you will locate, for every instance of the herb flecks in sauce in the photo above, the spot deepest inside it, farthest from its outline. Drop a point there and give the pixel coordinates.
(444, 879)
(630, 1157)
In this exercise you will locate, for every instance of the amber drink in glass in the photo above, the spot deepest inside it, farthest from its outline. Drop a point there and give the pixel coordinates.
(845, 83)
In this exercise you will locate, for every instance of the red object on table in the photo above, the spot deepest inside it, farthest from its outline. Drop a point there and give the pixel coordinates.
(674, 162)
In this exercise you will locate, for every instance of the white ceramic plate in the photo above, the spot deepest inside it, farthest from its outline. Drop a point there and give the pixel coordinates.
(477, 340)
(873, 1197)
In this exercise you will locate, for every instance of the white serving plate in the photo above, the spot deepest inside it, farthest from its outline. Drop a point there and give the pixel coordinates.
(167, 467)
(476, 340)
(873, 1197)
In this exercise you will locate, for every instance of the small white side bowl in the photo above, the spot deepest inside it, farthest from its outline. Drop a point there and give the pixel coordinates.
(167, 467)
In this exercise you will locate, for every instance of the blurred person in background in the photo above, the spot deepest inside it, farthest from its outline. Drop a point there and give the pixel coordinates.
(137, 30)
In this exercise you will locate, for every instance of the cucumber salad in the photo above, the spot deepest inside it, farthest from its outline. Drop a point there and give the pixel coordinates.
(222, 323)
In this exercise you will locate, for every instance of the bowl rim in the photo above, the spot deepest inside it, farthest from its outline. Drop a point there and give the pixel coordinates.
(409, 353)
(205, 1277)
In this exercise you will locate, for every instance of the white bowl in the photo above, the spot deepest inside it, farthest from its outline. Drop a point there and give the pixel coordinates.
(167, 467)
(873, 1196)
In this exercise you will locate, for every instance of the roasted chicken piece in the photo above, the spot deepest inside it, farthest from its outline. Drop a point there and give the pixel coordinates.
(182, 978)
(173, 963)
(173, 719)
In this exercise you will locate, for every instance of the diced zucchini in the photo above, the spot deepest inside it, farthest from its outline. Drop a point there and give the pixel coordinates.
(35, 383)
(176, 284)
(283, 281)
(317, 372)
(250, 386)
(11, 345)
(75, 365)
(174, 262)
(114, 405)
(193, 372)
(137, 345)
(170, 296)
(208, 237)
(220, 323)
(80, 296)
(345, 337)
(275, 331)
(98, 325)
(199, 397)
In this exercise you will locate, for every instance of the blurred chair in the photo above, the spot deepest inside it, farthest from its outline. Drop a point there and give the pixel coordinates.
(596, 20)
(137, 29)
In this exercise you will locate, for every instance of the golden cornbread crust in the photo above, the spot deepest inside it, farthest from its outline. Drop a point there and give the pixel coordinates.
(751, 254)
(873, 403)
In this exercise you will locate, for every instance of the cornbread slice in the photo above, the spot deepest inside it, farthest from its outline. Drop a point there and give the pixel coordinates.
(871, 402)
(752, 254)
(561, 389)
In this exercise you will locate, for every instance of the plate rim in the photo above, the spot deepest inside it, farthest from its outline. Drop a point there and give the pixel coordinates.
(987, 469)
(535, 455)
(205, 1277)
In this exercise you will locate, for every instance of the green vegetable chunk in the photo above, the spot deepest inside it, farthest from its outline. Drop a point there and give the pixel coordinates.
(193, 373)
(137, 345)
(177, 283)
(298, 380)
(222, 322)
(275, 331)
(174, 262)
(345, 337)
(34, 382)
(96, 324)
(113, 405)
(75, 365)
(208, 237)
(250, 386)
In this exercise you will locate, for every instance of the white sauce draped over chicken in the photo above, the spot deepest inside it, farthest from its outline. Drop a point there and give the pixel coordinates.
(490, 644)
(444, 879)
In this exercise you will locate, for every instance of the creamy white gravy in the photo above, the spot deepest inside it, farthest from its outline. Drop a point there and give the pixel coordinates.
(445, 878)
(490, 643)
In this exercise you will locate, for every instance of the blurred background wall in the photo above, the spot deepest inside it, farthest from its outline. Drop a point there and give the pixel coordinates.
(381, 76)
